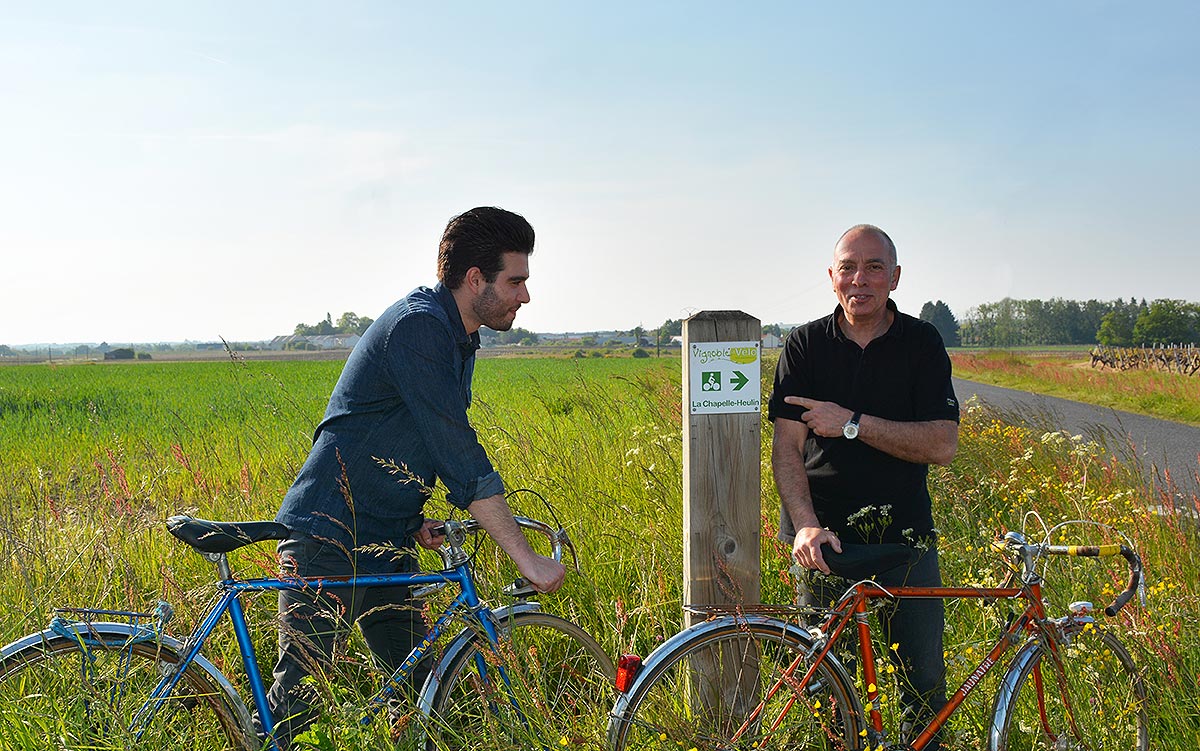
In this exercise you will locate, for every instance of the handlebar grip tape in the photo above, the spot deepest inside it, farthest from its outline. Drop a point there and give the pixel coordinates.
(1090, 551)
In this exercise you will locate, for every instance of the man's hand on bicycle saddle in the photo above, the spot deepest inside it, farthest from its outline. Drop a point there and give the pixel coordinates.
(427, 537)
(806, 550)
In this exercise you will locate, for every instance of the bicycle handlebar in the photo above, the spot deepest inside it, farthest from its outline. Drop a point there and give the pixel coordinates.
(558, 537)
(1030, 552)
(455, 532)
(1103, 551)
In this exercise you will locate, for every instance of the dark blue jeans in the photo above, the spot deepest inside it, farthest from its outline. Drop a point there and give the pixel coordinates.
(916, 626)
(312, 624)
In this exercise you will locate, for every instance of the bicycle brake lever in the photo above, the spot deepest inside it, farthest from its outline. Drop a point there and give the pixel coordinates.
(561, 538)
(520, 588)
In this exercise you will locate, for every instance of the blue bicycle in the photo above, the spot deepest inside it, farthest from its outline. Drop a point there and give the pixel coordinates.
(514, 676)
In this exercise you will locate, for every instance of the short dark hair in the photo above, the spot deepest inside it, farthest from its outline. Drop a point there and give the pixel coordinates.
(480, 237)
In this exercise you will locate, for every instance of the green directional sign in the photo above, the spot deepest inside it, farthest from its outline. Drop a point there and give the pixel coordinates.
(738, 379)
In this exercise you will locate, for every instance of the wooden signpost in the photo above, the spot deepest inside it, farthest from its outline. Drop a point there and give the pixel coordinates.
(722, 450)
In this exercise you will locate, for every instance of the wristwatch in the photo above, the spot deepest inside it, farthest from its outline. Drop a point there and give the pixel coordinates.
(850, 429)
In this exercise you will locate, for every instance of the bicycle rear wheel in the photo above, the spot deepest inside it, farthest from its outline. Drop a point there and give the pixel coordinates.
(549, 681)
(1083, 694)
(713, 691)
(55, 693)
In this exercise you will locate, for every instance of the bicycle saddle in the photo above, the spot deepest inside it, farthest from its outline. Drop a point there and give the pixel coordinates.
(222, 537)
(858, 561)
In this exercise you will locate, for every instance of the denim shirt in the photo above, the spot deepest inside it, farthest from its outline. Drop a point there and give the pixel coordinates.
(396, 424)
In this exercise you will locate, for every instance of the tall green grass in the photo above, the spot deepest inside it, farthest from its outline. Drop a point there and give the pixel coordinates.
(93, 459)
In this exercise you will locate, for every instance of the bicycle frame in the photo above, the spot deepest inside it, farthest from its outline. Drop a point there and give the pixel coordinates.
(1040, 642)
(854, 605)
(466, 605)
(180, 666)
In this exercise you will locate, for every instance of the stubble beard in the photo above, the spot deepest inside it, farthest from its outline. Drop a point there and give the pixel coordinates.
(491, 311)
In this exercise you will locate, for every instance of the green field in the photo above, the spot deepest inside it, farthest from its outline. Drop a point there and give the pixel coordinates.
(93, 458)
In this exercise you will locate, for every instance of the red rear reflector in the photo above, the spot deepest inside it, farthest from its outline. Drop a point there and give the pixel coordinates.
(627, 669)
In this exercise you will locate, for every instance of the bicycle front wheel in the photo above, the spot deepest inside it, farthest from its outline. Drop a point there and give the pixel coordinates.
(1084, 693)
(546, 682)
(736, 684)
(56, 693)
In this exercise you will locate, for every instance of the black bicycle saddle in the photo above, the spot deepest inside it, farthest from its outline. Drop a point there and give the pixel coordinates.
(222, 537)
(858, 561)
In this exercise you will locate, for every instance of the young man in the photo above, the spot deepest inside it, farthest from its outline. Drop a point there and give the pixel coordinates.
(862, 405)
(400, 403)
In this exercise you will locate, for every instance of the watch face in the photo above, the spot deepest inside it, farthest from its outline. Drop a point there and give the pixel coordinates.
(850, 430)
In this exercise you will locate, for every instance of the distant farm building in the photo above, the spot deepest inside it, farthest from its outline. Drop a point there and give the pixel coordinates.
(328, 341)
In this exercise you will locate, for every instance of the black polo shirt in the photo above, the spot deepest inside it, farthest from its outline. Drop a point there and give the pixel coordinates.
(903, 375)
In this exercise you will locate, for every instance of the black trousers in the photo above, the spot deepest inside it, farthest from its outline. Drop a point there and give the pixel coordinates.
(313, 623)
(916, 626)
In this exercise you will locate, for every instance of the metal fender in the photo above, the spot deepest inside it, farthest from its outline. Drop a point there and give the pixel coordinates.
(463, 641)
(123, 632)
(666, 651)
(1008, 687)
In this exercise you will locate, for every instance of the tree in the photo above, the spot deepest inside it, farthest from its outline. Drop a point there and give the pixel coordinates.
(942, 318)
(669, 328)
(516, 336)
(1116, 327)
(325, 328)
(1092, 314)
(348, 323)
(1167, 322)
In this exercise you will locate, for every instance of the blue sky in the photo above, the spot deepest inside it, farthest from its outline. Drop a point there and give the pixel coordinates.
(185, 170)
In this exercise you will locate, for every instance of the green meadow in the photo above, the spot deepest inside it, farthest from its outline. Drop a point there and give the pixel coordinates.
(93, 458)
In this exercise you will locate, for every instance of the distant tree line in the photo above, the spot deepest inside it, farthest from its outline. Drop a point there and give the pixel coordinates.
(1013, 323)
(347, 323)
(515, 335)
(1007, 323)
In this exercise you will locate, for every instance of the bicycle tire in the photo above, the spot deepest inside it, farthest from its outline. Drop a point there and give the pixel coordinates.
(558, 676)
(665, 708)
(1104, 704)
(53, 694)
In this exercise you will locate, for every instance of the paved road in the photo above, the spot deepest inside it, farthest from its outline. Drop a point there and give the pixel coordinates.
(1160, 445)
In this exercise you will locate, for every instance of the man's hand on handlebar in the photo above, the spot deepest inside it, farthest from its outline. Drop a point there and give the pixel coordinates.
(427, 537)
(545, 574)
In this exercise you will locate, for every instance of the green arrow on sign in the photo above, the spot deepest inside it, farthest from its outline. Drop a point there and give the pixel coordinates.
(738, 380)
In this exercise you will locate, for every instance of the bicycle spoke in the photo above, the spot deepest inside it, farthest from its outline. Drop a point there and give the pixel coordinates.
(60, 695)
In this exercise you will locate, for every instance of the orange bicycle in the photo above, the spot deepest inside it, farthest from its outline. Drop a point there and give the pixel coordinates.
(761, 682)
